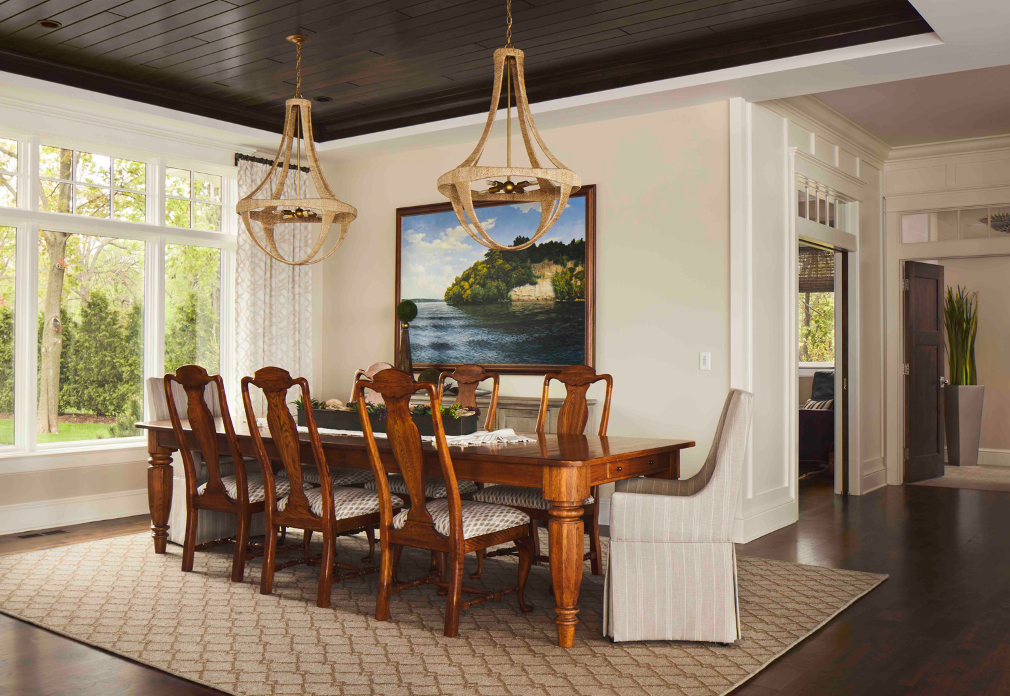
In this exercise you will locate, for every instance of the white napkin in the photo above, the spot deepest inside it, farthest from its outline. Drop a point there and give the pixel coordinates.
(505, 436)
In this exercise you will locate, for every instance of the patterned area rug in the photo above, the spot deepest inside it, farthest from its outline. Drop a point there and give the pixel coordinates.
(979, 478)
(118, 595)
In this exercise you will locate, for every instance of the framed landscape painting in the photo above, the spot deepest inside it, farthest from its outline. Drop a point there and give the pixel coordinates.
(518, 312)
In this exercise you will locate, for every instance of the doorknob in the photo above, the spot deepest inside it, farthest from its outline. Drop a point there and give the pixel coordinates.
(943, 381)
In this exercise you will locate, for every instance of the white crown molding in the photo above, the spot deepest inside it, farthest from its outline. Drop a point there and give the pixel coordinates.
(123, 124)
(812, 110)
(950, 148)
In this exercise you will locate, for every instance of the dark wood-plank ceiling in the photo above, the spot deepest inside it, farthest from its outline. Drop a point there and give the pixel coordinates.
(389, 63)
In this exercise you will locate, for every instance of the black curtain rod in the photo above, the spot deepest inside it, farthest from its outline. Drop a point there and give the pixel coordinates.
(250, 158)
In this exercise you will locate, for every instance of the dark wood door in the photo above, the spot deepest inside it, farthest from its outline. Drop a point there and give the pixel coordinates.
(923, 369)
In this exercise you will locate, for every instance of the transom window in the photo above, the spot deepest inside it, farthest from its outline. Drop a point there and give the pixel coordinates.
(85, 183)
(192, 199)
(821, 204)
(948, 225)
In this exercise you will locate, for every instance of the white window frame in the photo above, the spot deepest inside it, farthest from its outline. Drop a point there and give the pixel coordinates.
(192, 200)
(27, 454)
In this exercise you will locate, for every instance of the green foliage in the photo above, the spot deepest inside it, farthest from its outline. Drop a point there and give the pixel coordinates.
(491, 279)
(106, 358)
(406, 311)
(569, 284)
(192, 307)
(124, 421)
(817, 326)
(316, 404)
(447, 411)
(429, 375)
(960, 316)
(6, 360)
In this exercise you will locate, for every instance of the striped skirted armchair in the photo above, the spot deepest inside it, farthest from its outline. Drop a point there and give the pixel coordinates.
(671, 574)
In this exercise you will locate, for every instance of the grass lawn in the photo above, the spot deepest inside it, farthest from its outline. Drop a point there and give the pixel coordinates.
(68, 432)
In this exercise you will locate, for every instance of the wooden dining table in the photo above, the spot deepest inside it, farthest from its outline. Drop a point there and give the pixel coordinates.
(564, 466)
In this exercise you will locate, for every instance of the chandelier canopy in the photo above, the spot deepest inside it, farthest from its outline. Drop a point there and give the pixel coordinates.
(548, 186)
(267, 205)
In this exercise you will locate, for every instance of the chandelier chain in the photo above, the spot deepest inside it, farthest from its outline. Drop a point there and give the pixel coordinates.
(508, 30)
(298, 70)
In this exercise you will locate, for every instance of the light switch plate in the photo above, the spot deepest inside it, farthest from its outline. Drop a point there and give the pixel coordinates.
(704, 360)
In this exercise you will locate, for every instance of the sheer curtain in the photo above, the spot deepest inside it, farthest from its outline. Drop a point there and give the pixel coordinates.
(273, 301)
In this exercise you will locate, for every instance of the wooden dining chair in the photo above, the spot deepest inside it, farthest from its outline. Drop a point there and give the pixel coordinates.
(467, 378)
(573, 416)
(449, 526)
(327, 509)
(241, 494)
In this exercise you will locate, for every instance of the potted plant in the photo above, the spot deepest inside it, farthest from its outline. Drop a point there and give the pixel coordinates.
(962, 397)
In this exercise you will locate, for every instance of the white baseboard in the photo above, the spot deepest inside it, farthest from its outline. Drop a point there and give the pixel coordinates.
(765, 522)
(44, 514)
(993, 457)
(872, 480)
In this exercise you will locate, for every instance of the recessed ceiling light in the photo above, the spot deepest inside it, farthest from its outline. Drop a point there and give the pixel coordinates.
(323, 100)
(50, 24)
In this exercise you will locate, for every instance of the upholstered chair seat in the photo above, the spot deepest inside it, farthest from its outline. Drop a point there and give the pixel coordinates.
(519, 496)
(434, 487)
(339, 477)
(347, 502)
(255, 485)
(478, 518)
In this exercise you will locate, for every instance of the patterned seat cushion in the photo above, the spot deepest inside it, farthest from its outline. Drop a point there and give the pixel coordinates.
(339, 477)
(519, 496)
(478, 518)
(254, 482)
(347, 502)
(434, 487)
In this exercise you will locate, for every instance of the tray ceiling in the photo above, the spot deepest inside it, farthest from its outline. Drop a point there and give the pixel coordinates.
(386, 64)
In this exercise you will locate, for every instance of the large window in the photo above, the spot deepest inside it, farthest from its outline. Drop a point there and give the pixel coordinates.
(91, 336)
(111, 292)
(8, 237)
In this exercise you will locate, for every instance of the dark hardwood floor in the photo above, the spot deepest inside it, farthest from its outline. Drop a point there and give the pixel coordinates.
(939, 625)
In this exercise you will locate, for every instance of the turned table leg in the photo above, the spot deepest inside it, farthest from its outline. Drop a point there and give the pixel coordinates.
(566, 531)
(159, 490)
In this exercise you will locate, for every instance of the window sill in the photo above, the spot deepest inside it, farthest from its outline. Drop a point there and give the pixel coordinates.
(808, 369)
(74, 455)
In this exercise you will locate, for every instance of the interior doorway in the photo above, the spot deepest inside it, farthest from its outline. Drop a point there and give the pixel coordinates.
(823, 357)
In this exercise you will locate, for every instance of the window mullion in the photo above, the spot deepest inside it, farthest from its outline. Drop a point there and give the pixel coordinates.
(26, 336)
(154, 309)
(156, 191)
(32, 173)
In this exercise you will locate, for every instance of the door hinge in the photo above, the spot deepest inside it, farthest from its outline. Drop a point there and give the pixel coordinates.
(905, 369)
(907, 284)
(845, 383)
(907, 453)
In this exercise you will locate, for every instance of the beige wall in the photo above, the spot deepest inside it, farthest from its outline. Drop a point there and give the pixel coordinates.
(662, 261)
(988, 277)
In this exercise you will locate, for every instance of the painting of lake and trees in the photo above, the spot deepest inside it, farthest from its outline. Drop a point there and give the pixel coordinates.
(519, 311)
